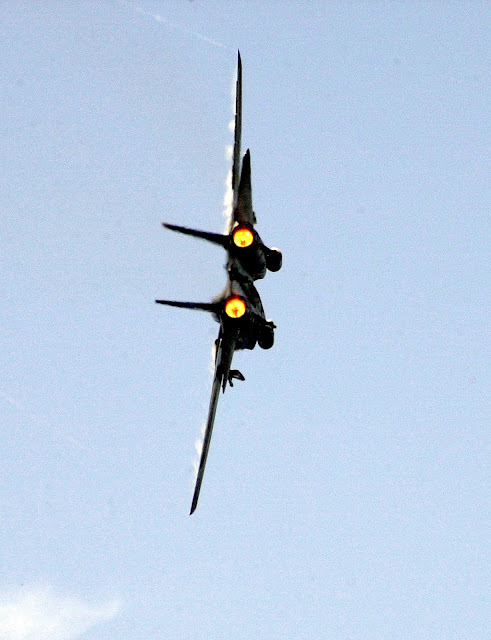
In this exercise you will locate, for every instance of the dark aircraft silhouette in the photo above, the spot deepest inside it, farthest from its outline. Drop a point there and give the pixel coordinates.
(238, 309)
(247, 252)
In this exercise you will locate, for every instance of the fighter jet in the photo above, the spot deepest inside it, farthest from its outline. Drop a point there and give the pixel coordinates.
(242, 326)
(239, 309)
(247, 252)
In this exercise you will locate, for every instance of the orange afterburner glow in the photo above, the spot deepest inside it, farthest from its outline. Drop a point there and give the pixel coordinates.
(235, 307)
(243, 237)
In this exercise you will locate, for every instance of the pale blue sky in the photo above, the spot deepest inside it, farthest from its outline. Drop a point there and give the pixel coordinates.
(346, 490)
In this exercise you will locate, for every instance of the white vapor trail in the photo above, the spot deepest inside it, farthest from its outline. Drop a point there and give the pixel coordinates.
(172, 25)
(229, 154)
(228, 199)
(227, 214)
(41, 614)
(198, 444)
(41, 421)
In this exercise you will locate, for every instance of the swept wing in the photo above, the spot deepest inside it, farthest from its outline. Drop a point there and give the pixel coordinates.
(223, 360)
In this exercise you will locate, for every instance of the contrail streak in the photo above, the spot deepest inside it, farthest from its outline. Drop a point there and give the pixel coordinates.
(172, 25)
(198, 444)
(37, 419)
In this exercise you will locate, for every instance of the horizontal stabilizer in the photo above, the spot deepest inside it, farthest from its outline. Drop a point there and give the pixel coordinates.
(216, 238)
(201, 306)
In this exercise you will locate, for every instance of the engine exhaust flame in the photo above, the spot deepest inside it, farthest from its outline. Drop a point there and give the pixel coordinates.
(243, 237)
(235, 307)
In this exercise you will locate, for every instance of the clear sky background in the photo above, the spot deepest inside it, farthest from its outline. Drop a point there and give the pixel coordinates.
(345, 494)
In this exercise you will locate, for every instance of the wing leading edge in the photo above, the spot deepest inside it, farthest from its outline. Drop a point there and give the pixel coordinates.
(223, 362)
(237, 133)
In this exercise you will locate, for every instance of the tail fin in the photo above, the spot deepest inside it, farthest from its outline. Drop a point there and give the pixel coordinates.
(244, 212)
(216, 238)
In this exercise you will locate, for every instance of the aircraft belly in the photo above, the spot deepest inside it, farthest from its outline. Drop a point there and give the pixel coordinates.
(247, 267)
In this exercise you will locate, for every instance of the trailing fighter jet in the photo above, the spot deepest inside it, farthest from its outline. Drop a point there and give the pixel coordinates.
(238, 309)
(242, 326)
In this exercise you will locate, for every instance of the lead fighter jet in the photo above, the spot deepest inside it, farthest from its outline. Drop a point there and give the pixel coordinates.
(238, 309)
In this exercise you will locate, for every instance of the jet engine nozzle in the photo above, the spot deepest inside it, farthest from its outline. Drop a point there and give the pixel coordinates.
(235, 307)
(242, 237)
(274, 259)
